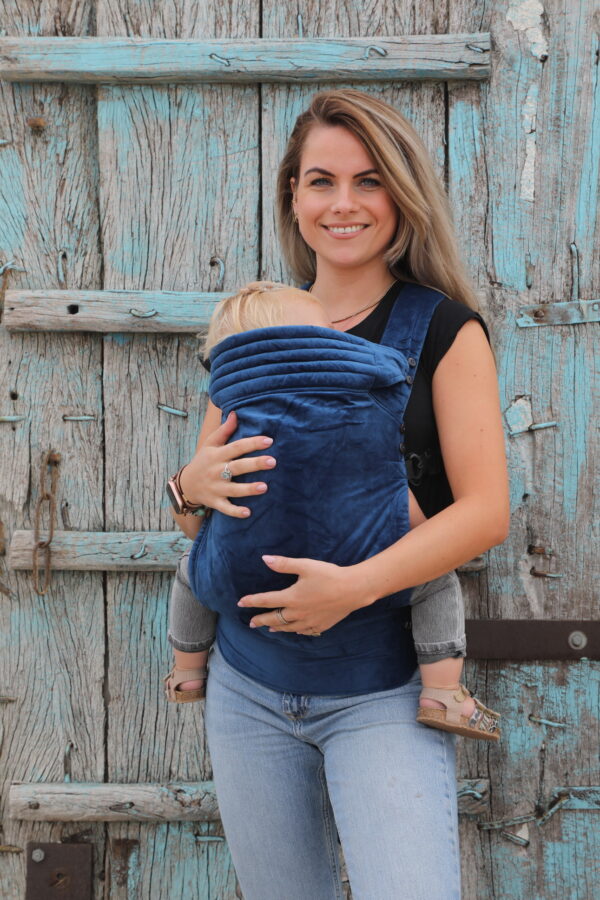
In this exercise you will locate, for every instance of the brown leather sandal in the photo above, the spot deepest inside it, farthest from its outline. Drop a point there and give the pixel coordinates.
(174, 679)
(482, 725)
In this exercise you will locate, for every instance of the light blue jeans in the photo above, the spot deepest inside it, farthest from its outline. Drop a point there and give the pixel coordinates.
(293, 771)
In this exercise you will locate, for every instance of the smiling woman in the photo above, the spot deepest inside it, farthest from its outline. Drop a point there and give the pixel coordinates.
(312, 691)
(345, 214)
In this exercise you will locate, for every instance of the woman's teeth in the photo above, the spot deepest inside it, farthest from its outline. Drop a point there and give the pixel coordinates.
(347, 229)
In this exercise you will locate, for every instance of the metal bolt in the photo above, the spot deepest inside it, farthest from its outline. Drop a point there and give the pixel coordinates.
(577, 640)
(38, 855)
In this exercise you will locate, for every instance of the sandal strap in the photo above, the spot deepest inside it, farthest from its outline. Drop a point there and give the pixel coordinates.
(452, 700)
(179, 675)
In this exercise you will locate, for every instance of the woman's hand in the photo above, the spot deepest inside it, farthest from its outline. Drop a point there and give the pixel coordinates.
(323, 595)
(201, 479)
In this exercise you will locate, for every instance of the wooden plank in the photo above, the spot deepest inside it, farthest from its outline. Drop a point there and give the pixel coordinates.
(178, 196)
(115, 60)
(51, 655)
(95, 551)
(141, 312)
(173, 802)
(524, 196)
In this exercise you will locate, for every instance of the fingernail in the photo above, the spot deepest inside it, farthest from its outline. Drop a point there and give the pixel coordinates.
(260, 488)
(269, 559)
(267, 442)
(252, 625)
(245, 512)
(269, 461)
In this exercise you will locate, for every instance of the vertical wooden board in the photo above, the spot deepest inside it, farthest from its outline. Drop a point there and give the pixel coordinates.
(179, 195)
(51, 659)
(540, 114)
(537, 757)
(168, 861)
(552, 490)
(423, 104)
(523, 177)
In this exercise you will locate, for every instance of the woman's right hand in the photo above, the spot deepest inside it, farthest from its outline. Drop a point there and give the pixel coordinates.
(201, 479)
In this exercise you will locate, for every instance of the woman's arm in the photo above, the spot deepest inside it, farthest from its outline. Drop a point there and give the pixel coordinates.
(201, 480)
(467, 412)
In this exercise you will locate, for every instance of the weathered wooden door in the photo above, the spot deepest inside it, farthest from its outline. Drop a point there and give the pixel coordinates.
(136, 184)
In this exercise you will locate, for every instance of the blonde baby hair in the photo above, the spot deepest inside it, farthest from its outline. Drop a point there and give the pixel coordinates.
(259, 304)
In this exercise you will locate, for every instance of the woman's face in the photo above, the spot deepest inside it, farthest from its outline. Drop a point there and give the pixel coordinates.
(344, 212)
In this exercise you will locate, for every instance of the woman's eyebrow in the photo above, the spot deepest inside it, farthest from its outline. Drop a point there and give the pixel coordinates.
(331, 175)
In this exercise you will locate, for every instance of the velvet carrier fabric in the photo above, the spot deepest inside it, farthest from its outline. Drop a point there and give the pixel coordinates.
(334, 405)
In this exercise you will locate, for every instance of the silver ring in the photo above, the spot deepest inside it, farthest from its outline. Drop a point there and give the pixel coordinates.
(226, 474)
(282, 618)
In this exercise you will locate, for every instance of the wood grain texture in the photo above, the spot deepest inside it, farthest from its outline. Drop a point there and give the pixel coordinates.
(97, 551)
(179, 195)
(113, 61)
(122, 312)
(523, 180)
(52, 648)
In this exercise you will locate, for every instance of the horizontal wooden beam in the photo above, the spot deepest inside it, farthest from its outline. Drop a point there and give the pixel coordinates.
(98, 551)
(116, 60)
(138, 312)
(80, 802)
(188, 802)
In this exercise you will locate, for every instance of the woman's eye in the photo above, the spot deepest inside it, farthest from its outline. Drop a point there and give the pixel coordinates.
(371, 182)
(321, 180)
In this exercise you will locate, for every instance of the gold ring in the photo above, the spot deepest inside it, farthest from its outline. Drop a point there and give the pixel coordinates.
(281, 616)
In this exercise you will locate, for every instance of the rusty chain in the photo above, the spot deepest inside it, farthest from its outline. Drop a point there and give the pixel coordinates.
(50, 460)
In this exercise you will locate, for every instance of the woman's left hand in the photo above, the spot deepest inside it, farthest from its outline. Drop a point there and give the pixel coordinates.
(323, 595)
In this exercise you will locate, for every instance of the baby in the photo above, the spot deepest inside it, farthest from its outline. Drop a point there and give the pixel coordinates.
(437, 609)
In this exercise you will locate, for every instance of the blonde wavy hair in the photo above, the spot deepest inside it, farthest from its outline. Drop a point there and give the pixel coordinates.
(424, 248)
(255, 306)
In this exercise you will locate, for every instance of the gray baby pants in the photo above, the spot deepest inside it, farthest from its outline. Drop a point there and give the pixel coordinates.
(438, 619)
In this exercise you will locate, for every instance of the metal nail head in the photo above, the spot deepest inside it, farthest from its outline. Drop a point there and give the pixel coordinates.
(38, 855)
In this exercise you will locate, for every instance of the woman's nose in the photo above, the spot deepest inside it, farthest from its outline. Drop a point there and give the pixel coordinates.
(344, 200)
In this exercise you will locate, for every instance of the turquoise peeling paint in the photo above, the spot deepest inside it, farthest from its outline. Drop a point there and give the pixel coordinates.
(540, 758)
(13, 204)
(106, 59)
(586, 212)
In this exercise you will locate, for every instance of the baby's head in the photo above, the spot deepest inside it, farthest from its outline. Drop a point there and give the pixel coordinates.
(262, 304)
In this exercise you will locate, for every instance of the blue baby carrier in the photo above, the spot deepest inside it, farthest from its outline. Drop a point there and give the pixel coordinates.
(334, 405)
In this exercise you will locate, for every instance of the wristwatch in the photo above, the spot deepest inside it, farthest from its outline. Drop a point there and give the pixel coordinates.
(180, 504)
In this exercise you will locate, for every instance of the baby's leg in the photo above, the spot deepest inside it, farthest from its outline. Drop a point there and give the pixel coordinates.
(438, 630)
(191, 626)
(438, 625)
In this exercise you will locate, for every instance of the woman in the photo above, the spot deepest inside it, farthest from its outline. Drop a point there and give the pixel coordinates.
(361, 216)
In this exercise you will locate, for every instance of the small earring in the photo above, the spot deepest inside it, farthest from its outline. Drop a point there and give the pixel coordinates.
(295, 215)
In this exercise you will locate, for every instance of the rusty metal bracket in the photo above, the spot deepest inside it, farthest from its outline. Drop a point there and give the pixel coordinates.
(573, 312)
(529, 639)
(59, 870)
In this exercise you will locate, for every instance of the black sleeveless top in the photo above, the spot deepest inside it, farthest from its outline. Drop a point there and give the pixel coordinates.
(433, 492)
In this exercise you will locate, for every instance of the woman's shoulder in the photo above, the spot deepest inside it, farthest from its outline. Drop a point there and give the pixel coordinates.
(448, 318)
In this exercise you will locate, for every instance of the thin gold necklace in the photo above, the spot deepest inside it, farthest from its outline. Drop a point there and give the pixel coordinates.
(358, 311)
